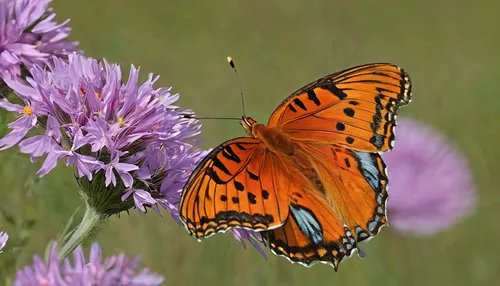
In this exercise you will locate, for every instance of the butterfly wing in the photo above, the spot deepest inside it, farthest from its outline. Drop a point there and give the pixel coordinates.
(313, 233)
(355, 185)
(238, 184)
(355, 108)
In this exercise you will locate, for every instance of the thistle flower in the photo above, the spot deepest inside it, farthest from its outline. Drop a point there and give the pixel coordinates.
(431, 186)
(29, 35)
(3, 240)
(128, 144)
(131, 138)
(114, 270)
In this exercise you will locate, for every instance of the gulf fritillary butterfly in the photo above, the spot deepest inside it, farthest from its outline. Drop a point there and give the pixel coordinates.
(311, 180)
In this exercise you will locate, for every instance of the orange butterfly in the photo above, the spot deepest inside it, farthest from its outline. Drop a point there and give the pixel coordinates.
(311, 180)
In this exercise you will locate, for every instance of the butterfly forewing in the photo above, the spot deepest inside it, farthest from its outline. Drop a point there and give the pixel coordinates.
(354, 108)
(237, 185)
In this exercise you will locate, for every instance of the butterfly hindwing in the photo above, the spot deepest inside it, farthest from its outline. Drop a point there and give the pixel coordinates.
(239, 184)
(355, 108)
(313, 233)
(355, 185)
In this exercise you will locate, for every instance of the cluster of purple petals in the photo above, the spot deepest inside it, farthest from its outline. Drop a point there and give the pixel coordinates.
(29, 35)
(92, 120)
(114, 270)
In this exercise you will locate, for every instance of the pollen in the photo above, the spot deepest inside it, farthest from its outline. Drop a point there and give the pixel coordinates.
(82, 91)
(120, 122)
(27, 110)
(156, 126)
(97, 95)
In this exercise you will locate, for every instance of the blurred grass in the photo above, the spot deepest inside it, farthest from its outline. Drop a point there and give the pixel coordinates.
(449, 47)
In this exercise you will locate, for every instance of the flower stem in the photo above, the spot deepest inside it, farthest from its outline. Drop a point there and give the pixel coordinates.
(89, 223)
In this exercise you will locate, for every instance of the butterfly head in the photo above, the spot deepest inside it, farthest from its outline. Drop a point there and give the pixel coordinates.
(248, 123)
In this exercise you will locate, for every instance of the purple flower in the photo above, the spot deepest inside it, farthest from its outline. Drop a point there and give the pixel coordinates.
(3, 240)
(29, 35)
(253, 237)
(131, 135)
(115, 270)
(430, 184)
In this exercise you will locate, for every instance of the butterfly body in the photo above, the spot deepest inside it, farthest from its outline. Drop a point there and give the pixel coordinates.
(311, 181)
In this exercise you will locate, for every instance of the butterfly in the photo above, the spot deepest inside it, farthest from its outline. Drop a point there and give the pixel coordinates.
(312, 180)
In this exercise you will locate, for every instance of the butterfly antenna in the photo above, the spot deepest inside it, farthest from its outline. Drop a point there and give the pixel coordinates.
(231, 63)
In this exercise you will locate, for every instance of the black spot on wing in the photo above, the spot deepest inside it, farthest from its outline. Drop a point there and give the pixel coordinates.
(347, 163)
(230, 155)
(251, 198)
(239, 186)
(220, 165)
(330, 86)
(377, 117)
(213, 175)
(349, 139)
(340, 126)
(235, 200)
(240, 146)
(300, 104)
(292, 108)
(223, 198)
(265, 194)
(252, 175)
(349, 112)
(311, 95)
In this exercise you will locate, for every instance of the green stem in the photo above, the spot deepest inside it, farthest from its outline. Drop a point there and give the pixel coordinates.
(89, 223)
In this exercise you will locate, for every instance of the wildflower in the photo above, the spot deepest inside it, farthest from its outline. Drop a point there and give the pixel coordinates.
(29, 35)
(114, 270)
(128, 144)
(431, 186)
(131, 136)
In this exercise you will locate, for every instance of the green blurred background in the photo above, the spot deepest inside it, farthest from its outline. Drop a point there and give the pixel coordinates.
(449, 47)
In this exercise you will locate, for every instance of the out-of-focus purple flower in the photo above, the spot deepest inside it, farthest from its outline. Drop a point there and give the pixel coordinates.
(130, 135)
(430, 184)
(114, 270)
(29, 35)
(3, 240)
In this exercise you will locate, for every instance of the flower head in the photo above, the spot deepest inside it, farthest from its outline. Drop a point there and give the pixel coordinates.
(430, 184)
(29, 35)
(114, 270)
(3, 240)
(124, 140)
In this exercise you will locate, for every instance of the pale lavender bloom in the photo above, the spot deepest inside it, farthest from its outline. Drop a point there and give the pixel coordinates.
(131, 132)
(131, 135)
(29, 35)
(114, 270)
(430, 184)
(3, 240)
